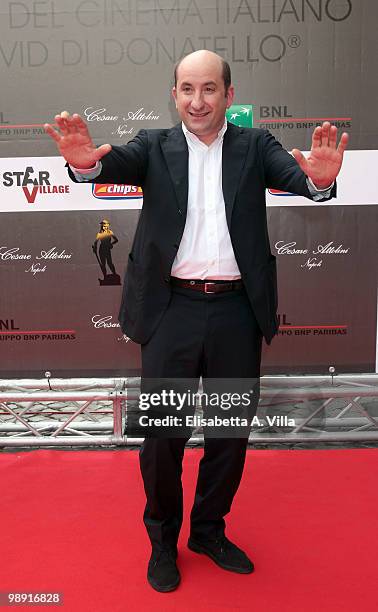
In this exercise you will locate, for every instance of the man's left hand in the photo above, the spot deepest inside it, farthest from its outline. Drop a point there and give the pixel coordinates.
(324, 162)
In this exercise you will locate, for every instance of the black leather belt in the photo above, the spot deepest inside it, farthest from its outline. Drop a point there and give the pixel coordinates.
(212, 286)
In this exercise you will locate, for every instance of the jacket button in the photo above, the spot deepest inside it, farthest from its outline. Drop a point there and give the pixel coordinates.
(180, 211)
(167, 279)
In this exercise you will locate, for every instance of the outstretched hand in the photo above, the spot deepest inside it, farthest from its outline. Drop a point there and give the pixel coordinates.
(324, 162)
(74, 141)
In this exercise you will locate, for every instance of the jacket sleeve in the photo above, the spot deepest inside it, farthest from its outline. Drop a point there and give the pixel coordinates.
(125, 164)
(282, 171)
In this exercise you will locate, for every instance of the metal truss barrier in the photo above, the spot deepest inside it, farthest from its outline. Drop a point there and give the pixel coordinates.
(93, 412)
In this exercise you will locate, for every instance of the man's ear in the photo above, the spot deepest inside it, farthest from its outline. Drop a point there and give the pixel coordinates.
(174, 95)
(230, 95)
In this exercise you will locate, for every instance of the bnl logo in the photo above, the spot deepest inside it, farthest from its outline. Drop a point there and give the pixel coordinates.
(8, 325)
(240, 115)
(269, 112)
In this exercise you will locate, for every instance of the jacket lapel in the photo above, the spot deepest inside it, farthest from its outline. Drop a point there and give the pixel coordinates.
(235, 147)
(175, 151)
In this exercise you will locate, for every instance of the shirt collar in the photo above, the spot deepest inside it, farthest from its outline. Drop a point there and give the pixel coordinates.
(195, 138)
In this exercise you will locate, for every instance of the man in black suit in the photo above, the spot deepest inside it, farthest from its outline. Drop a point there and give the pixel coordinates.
(200, 289)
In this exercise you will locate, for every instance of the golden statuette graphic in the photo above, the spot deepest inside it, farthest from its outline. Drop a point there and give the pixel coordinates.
(105, 240)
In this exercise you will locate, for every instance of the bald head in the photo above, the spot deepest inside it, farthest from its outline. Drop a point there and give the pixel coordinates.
(203, 93)
(198, 58)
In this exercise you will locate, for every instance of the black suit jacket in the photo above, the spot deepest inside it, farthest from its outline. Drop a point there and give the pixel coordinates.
(157, 160)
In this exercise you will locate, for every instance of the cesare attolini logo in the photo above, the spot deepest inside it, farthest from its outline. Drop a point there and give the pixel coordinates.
(33, 183)
(116, 192)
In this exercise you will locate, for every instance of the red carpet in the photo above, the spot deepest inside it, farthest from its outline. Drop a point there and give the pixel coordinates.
(71, 522)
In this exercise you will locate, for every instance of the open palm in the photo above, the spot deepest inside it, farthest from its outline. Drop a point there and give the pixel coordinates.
(324, 162)
(74, 141)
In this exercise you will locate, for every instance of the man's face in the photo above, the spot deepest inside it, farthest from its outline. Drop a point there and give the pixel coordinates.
(200, 96)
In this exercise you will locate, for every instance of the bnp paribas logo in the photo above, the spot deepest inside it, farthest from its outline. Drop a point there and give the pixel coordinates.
(241, 115)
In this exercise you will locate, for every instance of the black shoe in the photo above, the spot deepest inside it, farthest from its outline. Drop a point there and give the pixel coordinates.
(224, 553)
(162, 573)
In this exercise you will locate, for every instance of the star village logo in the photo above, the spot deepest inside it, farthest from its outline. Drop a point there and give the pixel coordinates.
(33, 182)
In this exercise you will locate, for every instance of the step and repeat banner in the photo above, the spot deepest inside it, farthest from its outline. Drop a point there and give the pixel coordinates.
(64, 246)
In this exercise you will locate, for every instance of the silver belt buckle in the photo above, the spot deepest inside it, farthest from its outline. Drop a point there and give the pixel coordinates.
(207, 287)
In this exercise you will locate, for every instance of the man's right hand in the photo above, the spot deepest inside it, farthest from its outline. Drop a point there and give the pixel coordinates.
(74, 141)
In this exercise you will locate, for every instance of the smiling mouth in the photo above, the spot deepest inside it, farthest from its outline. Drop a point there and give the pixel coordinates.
(198, 115)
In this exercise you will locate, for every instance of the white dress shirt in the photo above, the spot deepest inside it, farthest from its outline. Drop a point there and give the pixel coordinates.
(205, 250)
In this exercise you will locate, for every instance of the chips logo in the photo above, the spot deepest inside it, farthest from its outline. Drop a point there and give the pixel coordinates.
(116, 192)
(278, 192)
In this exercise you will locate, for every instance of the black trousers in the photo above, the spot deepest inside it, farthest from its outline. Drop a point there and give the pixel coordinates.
(215, 336)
